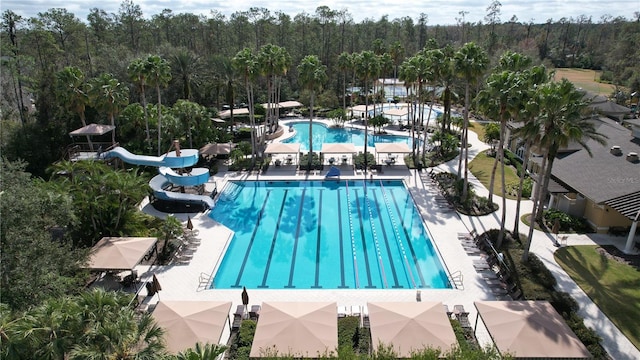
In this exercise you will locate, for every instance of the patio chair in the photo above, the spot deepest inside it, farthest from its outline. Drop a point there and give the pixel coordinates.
(343, 311)
(355, 310)
(254, 314)
(446, 310)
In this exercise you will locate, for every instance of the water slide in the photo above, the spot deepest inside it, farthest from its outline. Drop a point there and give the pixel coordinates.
(168, 177)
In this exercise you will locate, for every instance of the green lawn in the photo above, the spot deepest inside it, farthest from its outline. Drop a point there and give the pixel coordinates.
(477, 128)
(613, 286)
(481, 167)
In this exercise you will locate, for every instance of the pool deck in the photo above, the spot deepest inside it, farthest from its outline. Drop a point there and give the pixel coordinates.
(188, 280)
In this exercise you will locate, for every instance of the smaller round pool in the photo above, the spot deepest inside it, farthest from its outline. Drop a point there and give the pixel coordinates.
(324, 134)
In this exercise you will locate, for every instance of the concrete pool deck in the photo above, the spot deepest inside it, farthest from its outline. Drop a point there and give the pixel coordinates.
(190, 280)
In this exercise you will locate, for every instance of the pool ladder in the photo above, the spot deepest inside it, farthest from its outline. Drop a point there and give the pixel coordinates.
(397, 233)
(353, 239)
(375, 237)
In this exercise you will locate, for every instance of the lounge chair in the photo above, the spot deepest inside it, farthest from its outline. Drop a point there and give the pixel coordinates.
(343, 311)
(446, 310)
(254, 314)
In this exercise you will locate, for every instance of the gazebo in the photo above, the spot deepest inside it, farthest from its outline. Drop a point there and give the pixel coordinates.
(291, 151)
(392, 150)
(530, 329)
(346, 150)
(94, 130)
(299, 329)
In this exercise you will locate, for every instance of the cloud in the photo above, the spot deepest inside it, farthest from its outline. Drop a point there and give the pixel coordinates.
(441, 12)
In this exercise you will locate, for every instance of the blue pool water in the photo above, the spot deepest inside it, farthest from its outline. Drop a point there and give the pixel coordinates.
(325, 234)
(323, 134)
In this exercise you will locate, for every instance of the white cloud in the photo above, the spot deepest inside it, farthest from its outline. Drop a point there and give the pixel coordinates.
(438, 11)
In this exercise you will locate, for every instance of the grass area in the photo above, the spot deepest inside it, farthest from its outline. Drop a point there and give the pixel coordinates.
(477, 128)
(612, 285)
(481, 167)
(586, 79)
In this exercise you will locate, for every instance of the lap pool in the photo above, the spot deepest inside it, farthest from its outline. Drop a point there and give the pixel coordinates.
(325, 235)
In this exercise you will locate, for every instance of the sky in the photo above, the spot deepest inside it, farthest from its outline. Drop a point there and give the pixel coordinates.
(439, 12)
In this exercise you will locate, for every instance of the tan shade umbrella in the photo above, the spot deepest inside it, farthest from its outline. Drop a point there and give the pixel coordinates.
(217, 149)
(111, 253)
(300, 329)
(411, 326)
(189, 322)
(530, 329)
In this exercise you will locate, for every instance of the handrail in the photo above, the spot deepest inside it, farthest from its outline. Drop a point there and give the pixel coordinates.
(397, 233)
(353, 239)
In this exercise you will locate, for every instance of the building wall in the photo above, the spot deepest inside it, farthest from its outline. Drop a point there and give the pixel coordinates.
(602, 217)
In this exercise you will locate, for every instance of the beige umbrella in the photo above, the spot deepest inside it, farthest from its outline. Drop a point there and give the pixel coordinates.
(530, 329)
(111, 253)
(189, 322)
(411, 326)
(308, 329)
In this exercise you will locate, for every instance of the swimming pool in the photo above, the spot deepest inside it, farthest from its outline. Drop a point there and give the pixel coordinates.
(324, 134)
(325, 235)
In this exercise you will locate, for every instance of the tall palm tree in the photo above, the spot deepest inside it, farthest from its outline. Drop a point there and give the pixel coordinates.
(245, 63)
(529, 132)
(497, 101)
(470, 62)
(187, 67)
(109, 95)
(273, 61)
(158, 74)
(312, 74)
(562, 120)
(367, 67)
(345, 63)
(71, 90)
(138, 74)
(397, 53)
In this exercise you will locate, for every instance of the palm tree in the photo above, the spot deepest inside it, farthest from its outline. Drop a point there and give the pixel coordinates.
(71, 90)
(109, 95)
(345, 63)
(397, 53)
(470, 62)
(138, 74)
(273, 61)
(561, 121)
(158, 73)
(497, 101)
(187, 66)
(312, 74)
(202, 352)
(529, 131)
(245, 63)
(367, 67)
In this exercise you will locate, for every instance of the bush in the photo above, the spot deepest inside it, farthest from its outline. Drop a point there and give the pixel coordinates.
(358, 160)
(348, 331)
(241, 346)
(567, 222)
(316, 164)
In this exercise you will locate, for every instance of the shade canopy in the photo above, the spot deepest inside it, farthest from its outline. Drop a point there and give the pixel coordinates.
(338, 148)
(92, 130)
(283, 104)
(530, 329)
(411, 327)
(189, 322)
(282, 148)
(113, 253)
(227, 113)
(218, 120)
(397, 148)
(308, 329)
(396, 112)
(217, 149)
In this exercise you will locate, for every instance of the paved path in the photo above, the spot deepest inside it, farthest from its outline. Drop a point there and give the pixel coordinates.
(189, 280)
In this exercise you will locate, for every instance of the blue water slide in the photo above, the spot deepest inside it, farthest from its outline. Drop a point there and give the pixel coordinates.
(195, 177)
(188, 157)
(159, 184)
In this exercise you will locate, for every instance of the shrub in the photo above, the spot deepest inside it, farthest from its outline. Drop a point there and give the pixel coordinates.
(567, 222)
(358, 160)
(348, 331)
(315, 162)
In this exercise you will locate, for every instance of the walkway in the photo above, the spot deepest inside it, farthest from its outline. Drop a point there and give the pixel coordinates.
(185, 281)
